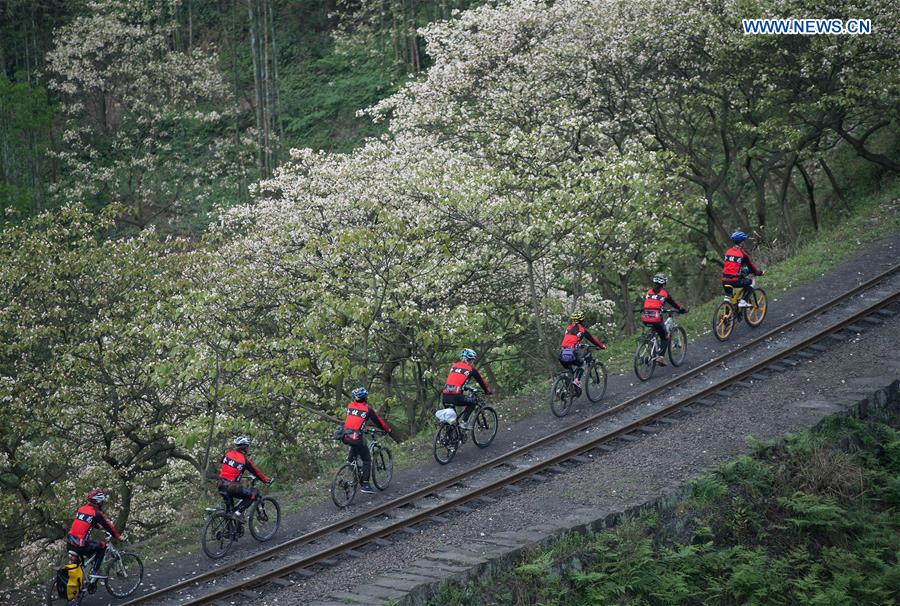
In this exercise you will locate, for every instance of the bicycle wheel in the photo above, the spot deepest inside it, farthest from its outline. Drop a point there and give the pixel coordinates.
(446, 442)
(265, 518)
(723, 320)
(218, 535)
(53, 599)
(485, 428)
(595, 385)
(344, 485)
(677, 346)
(124, 574)
(382, 467)
(760, 304)
(561, 396)
(644, 362)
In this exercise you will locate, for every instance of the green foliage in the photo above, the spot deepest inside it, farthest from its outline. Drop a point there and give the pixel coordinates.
(808, 549)
(25, 119)
(321, 95)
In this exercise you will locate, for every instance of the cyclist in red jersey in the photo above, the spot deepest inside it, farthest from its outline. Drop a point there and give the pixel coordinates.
(234, 464)
(359, 413)
(651, 312)
(568, 349)
(737, 266)
(460, 373)
(90, 516)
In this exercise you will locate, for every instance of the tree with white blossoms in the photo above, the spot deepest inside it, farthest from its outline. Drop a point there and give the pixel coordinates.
(146, 126)
(553, 179)
(345, 274)
(93, 365)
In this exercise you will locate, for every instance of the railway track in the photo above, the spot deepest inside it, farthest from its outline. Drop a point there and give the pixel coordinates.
(407, 511)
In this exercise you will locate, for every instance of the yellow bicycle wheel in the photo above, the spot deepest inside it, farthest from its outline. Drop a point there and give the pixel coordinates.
(723, 320)
(759, 305)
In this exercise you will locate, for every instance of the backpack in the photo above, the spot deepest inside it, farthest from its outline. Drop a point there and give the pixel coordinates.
(69, 579)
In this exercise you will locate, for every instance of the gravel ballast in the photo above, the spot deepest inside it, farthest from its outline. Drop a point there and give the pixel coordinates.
(635, 472)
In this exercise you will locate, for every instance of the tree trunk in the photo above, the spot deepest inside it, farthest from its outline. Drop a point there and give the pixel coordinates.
(257, 88)
(125, 496)
(759, 186)
(275, 84)
(213, 412)
(810, 194)
(783, 199)
(625, 305)
(834, 185)
(538, 315)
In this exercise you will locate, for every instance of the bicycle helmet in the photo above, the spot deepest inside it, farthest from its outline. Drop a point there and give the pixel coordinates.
(738, 237)
(660, 279)
(97, 496)
(359, 394)
(242, 442)
(468, 355)
(578, 317)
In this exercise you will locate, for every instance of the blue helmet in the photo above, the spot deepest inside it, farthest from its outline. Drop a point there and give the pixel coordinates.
(359, 394)
(468, 355)
(738, 237)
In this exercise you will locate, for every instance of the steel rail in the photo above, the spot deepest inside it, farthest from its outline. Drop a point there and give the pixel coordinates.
(518, 476)
(425, 491)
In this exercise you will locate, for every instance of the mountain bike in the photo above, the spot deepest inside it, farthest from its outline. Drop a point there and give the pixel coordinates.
(563, 391)
(450, 436)
(349, 476)
(121, 572)
(224, 526)
(729, 312)
(649, 345)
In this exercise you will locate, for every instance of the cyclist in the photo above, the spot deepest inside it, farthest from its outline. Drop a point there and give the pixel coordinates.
(460, 373)
(736, 267)
(234, 464)
(651, 312)
(568, 349)
(358, 414)
(90, 516)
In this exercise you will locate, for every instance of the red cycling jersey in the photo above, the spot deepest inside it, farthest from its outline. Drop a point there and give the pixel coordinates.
(87, 517)
(653, 303)
(358, 414)
(459, 375)
(575, 332)
(735, 259)
(233, 465)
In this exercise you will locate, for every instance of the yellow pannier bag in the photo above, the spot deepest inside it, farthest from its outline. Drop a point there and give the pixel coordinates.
(71, 577)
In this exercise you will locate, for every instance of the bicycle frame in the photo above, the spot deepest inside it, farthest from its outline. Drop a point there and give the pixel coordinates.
(109, 552)
(373, 433)
(649, 333)
(736, 292)
(229, 502)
